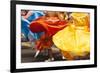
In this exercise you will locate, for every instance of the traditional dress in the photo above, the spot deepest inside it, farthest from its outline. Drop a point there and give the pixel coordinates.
(35, 15)
(25, 25)
(48, 25)
(74, 40)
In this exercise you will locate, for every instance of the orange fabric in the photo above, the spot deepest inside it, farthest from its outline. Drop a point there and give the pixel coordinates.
(50, 25)
(44, 42)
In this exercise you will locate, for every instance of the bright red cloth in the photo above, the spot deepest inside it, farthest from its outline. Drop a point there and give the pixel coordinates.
(50, 25)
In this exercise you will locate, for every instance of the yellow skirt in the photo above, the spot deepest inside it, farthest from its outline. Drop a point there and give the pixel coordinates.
(73, 41)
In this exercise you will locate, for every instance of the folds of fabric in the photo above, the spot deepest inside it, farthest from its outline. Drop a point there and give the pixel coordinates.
(50, 28)
(35, 15)
(41, 25)
(74, 40)
(24, 27)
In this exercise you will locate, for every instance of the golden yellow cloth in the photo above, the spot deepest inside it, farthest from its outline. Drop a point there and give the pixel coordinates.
(73, 40)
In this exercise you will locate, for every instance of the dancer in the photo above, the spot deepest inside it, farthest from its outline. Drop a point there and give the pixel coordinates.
(74, 40)
(49, 24)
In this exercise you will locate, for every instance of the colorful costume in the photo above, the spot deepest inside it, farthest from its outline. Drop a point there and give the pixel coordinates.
(25, 25)
(35, 15)
(48, 25)
(74, 40)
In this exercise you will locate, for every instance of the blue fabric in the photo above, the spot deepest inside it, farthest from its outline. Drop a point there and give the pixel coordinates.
(25, 23)
(34, 36)
(24, 27)
(35, 15)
